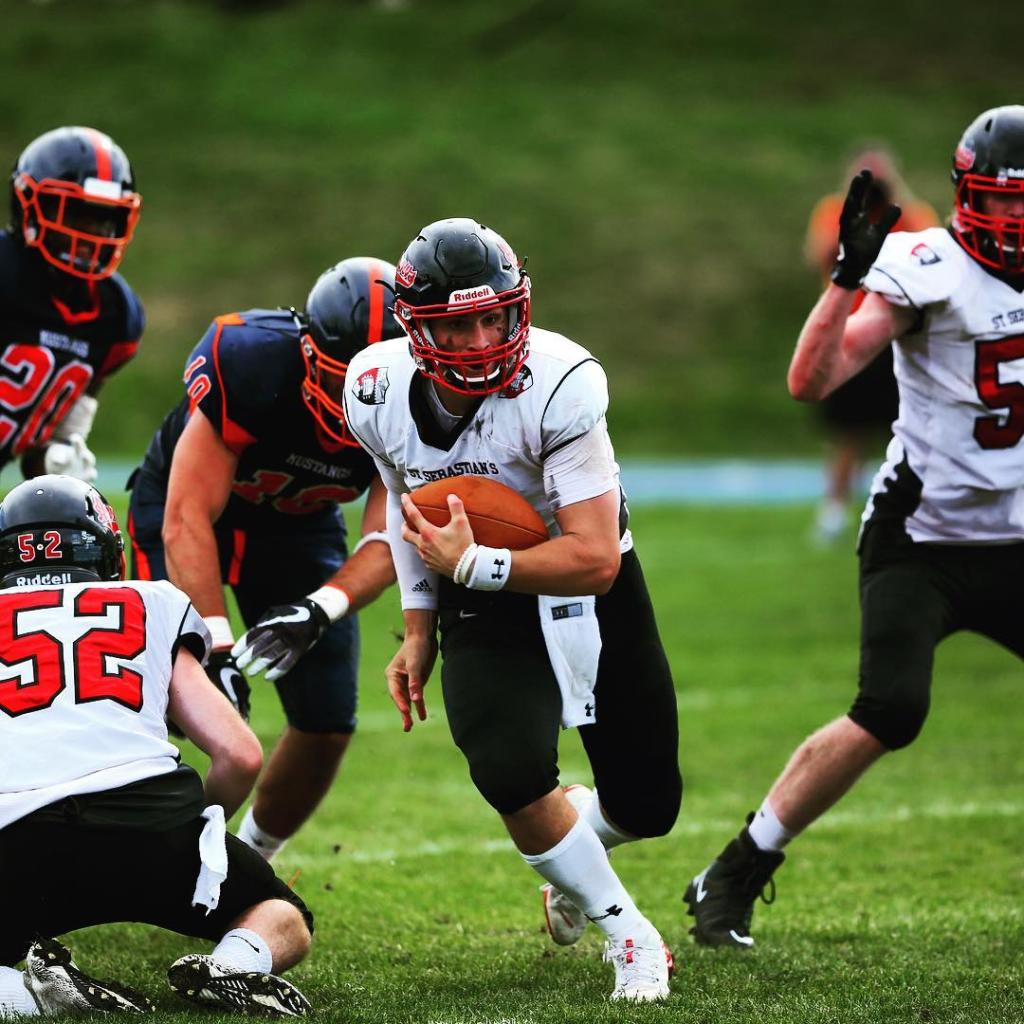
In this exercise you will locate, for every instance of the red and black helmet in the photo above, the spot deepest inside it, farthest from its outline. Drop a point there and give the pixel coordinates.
(989, 161)
(451, 268)
(73, 198)
(347, 309)
(58, 526)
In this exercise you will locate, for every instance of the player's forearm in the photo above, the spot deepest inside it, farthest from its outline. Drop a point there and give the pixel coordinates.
(229, 783)
(419, 622)
(565, 566)
(366, 574)
(193, 562)
(818, 365)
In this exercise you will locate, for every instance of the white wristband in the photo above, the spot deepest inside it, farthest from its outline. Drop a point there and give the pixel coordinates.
(369, 538)
(220, 632)
(490, 568)
(334, 601)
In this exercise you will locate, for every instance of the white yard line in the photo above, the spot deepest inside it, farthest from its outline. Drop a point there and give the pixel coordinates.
(837, 820)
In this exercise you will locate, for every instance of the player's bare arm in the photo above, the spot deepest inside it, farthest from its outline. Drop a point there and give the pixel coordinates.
(410, 668)
(207, 718)
(369, 570)
(584, 559)
(286, 632)
(834, 346)
(198, 490)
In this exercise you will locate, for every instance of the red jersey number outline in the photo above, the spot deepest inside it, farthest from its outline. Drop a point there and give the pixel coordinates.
(28, 381)
(267, 485)
(44, 653)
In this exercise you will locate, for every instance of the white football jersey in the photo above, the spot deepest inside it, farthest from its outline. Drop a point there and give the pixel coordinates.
(560, 396)
(84, 676)
(955, 465)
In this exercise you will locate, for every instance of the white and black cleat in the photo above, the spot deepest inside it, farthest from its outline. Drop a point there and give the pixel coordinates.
(60, 988)
(202, 979)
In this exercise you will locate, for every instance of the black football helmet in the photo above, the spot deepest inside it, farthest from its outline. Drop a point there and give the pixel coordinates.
(347, 309)
(458, 266)
(989, 162)
(55, 526)
(73, 198)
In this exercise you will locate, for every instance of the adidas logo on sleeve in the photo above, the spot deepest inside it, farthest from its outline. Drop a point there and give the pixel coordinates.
(423, 587)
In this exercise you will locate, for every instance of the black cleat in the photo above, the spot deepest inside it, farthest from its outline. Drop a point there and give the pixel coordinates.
(721, 898)
(60, 988)
(201, 979)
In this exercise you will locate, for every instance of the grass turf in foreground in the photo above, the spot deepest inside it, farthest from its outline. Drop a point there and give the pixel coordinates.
(903, 905)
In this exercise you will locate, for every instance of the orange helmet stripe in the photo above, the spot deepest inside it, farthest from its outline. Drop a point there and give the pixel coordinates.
(102, 153)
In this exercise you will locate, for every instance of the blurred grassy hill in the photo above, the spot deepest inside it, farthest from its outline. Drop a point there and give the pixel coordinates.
(656, 161)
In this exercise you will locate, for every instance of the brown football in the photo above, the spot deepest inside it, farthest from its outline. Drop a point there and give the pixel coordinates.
(500, 517)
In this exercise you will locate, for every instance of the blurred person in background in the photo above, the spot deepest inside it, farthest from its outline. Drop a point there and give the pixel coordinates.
(942, 538)
(861, 411)
(99, 820)
(241, 486)
(477, 388)
(69, 319)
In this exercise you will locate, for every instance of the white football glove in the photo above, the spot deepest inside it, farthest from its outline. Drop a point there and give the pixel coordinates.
(71, 457)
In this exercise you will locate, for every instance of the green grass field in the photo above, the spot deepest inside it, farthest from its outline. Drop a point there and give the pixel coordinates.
(657, 163)
(901, 906)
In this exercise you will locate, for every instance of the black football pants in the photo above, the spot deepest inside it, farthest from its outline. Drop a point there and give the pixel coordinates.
(504, 705)
(913, 595)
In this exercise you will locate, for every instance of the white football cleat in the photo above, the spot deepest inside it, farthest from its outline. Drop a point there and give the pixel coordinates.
(565, 921)
(642, 969)
(60, 988)
(201, 979)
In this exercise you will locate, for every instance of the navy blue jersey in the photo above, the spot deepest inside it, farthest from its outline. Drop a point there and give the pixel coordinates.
(245, 376)
(50, 354)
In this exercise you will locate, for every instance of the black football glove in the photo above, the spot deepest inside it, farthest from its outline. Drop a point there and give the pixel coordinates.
(224, 674)
(281, 636)
(860, 240)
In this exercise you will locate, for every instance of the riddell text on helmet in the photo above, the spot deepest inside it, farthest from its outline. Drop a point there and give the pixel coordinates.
(485, 291)
(43, 579)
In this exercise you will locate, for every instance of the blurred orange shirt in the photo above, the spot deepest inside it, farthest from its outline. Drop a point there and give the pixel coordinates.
(821, 246)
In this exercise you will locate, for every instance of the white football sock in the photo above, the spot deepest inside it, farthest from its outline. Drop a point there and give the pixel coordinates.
(578, 866)
(609, 834)
(15, 998)
(245, 950)
(767, 831)
(266, 845)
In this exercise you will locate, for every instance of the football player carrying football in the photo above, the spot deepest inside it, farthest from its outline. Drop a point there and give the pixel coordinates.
(99, 820)
(943, 530)
(476, 388)
(69, 320)
(241, 486)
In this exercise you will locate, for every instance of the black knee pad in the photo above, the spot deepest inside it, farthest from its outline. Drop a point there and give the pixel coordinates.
(895, 723)
(644, 813)
(509, 785)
